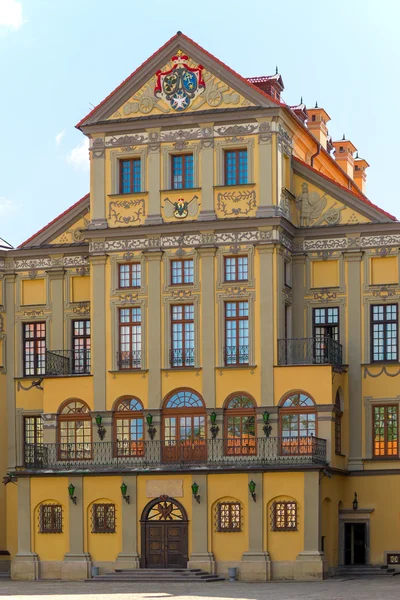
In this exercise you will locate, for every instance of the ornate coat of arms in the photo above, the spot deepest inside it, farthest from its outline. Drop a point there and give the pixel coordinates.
(181, 208)
(181, 84)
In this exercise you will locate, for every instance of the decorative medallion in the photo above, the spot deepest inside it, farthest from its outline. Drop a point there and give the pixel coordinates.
(181, 208)
(181, 84)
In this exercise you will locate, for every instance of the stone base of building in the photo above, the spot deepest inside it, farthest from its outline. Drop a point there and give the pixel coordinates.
(125, 561)
(25, 567)
(76, 566)
(202, 560)
(310, 566)
(255, 566)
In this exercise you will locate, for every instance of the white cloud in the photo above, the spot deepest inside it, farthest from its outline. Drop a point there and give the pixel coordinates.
(6, 206)
(78, 157)
(11, 14)
(60, 136)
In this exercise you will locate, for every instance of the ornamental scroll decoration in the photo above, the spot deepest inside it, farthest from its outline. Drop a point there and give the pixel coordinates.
(381, 372)
(236, 203)
(82, 309)
(325, 296)
(136, 208)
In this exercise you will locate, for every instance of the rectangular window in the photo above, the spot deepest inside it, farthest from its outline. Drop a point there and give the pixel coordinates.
(130, 338)
(81, 346)
(103, 518)
(34, 344)
(33, 439)
(384, 346)
(129, 176)
(385, 430)
(236, 268)
(325, 327)
(50, 518)
(228, 517)
(181, 171)
(182, 335)
(235, 167)
(130, 275)
(236, 333)
(284, 516)
(182, 271)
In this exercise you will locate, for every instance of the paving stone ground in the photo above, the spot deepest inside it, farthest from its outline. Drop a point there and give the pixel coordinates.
(365, 589)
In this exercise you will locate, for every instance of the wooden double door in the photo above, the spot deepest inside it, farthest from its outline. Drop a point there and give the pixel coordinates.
(166, 545)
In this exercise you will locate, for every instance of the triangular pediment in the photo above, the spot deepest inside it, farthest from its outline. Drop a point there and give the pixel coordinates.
(181, 77)
(321, 202)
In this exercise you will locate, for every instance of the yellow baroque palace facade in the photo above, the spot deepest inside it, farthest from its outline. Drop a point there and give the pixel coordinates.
(199, 359)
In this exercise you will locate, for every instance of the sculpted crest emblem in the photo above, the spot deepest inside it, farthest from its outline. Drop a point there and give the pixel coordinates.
(181, 84)
(181, 208)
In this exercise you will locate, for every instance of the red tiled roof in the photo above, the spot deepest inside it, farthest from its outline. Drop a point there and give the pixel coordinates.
(358, 196)
(81, 201)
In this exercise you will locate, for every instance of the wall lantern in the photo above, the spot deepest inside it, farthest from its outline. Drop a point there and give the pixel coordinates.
(195, 489)
(267, 428)
(101, 430)
(124, 489)
(355, 501)
(252, 490)
(71, 490)
(214, 427)
(151, 429)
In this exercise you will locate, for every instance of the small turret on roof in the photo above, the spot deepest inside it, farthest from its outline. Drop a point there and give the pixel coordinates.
(360, 176)
(344, 150)
(300, 110)
(316, 123)
(270, 84)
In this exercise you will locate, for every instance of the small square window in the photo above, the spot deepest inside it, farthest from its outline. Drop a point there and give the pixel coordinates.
(236, 268)
(182, 271)
(50, 518)
(129, 275)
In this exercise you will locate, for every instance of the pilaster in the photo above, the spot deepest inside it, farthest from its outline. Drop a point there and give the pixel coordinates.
(56, 279)
(98, 329)
(353, 260)
(200, 558)
(10, 366)
(76, 564)
(97, 184)
(153, 259)
(154, 177)
(207, 212)
(129, 557)
(207, 266)
(25, 564)
(299, 290)
(265, 208)
(267, 345)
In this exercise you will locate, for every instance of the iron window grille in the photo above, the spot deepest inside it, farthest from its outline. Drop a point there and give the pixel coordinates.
(284, 516)
(228, 517)
(50, 518)
(103, 518)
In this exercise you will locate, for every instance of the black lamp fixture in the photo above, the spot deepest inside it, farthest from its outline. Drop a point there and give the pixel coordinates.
(151, 429)
(252, 490)
(124, 489)
(71, 492)
(214, 427)
(101, 430)
(267, 428)
(355, 501)
(195, 489)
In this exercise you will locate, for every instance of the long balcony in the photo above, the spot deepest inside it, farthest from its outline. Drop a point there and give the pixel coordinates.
(67, 362)
(166, 455)
(310, 351)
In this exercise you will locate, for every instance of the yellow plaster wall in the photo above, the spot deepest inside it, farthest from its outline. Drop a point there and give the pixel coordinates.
(80, 289)
(33, 291)
(284, 545)
(103, 490)
(332, 493)
(56, 392)
(325, 274)
(384, 270)
(228, 546)
(49, 546)
(72, 233)
(316, 381)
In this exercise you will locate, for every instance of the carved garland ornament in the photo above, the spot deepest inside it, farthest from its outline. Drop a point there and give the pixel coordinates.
(236, 203)
(116, 208)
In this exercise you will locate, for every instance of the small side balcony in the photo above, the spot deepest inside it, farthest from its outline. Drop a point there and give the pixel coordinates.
(138, 455)
(129, 360)
(310, 351)
(67, 362)
(236, 355)
(181, 357)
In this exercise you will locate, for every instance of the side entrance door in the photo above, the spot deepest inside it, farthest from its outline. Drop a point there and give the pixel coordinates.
(355, 543)
(166, 545)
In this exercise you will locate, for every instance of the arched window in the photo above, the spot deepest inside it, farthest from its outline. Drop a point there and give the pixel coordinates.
(298, 424)
(338, 424)
(74, 431)
(184, 427)
(240, 425)
(129, 427)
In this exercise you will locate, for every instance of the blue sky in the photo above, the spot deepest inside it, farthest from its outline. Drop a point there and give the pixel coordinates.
(59, 57)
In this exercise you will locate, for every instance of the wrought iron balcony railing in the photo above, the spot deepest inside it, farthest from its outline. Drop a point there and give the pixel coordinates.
(310, 351)
(179, 357)
(67, 362)
(236, 355)
(230, 453)
(129, 360)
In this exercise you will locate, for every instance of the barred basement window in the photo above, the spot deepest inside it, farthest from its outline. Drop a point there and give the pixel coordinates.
(50, 518)
(284, 516)
(229, 517)
(103, 518)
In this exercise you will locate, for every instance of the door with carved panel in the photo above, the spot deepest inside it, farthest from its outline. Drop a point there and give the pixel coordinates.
(164, 535)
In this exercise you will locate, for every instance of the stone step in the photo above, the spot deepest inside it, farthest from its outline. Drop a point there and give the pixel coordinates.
(158, 575)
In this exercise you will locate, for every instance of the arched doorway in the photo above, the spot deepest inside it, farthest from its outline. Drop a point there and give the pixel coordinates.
(164, 535)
